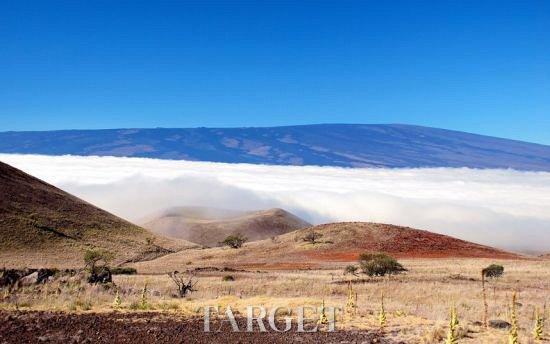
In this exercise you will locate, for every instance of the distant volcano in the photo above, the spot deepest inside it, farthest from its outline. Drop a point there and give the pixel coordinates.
(209, 226)
(346, 145)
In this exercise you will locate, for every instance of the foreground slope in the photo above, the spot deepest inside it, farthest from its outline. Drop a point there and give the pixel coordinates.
(340, 242)
(349, 145)
(41, 225)
(209, 226)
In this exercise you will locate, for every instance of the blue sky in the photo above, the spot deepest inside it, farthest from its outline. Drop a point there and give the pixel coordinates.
(477, 66)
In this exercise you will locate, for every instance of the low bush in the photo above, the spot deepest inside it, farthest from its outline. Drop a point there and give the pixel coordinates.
(351, 270)
(234, 241)
(312, 237)
(379, 264)
(97, 264)
(493, 271)
(228, 278)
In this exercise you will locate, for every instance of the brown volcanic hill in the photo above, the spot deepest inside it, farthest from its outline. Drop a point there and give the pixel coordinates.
(41, 225)
(209, 226)
(341, 242)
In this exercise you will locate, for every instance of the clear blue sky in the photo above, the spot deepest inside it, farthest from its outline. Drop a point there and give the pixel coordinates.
(477, 66)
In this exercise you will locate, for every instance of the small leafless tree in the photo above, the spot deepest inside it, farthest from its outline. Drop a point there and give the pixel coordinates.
(184, 284)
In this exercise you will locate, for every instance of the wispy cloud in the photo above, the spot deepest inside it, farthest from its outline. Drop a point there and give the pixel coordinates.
(503, 208)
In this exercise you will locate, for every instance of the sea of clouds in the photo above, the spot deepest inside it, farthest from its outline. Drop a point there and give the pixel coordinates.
(503, 208)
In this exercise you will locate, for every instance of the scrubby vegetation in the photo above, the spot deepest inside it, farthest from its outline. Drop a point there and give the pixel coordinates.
(234, 241)
(312, 237)
(351, 270)
(379, 264)
(493, 271)
(97, 264)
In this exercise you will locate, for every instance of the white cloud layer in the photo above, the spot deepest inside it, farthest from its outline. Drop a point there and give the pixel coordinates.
(502, 208)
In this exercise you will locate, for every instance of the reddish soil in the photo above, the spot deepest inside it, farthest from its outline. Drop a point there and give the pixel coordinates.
(278, 266)
(354, 255)
(401, 242)
(137, 328)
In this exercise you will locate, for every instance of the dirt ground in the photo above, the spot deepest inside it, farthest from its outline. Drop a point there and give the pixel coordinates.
(135, 328)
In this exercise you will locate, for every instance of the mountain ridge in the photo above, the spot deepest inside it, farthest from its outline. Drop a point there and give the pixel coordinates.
(210, 226)
(279, 126)
(343, 145)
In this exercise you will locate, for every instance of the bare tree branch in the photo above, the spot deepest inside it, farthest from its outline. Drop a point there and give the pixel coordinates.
(184, 284)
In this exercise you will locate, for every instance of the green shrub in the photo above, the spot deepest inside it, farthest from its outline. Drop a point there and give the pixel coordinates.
(493, 271)
(379, 264)
(95, 257)
(312, 237)
(97, 264)
(351, 270)
(228, 278)
(234, 241)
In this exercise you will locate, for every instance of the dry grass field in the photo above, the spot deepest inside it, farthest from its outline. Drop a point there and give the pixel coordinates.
(416, 303)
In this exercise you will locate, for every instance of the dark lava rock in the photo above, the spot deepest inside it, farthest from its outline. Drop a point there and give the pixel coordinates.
(500, 324)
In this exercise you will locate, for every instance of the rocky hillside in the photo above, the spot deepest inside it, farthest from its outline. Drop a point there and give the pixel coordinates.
(41, 225)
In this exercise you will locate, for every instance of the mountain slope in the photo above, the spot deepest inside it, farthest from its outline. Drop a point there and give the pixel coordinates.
(349, 145)
(340, 242)
(41, 225)
(207, 226)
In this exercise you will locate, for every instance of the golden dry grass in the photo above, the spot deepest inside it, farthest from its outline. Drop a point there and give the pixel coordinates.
(416, 303)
